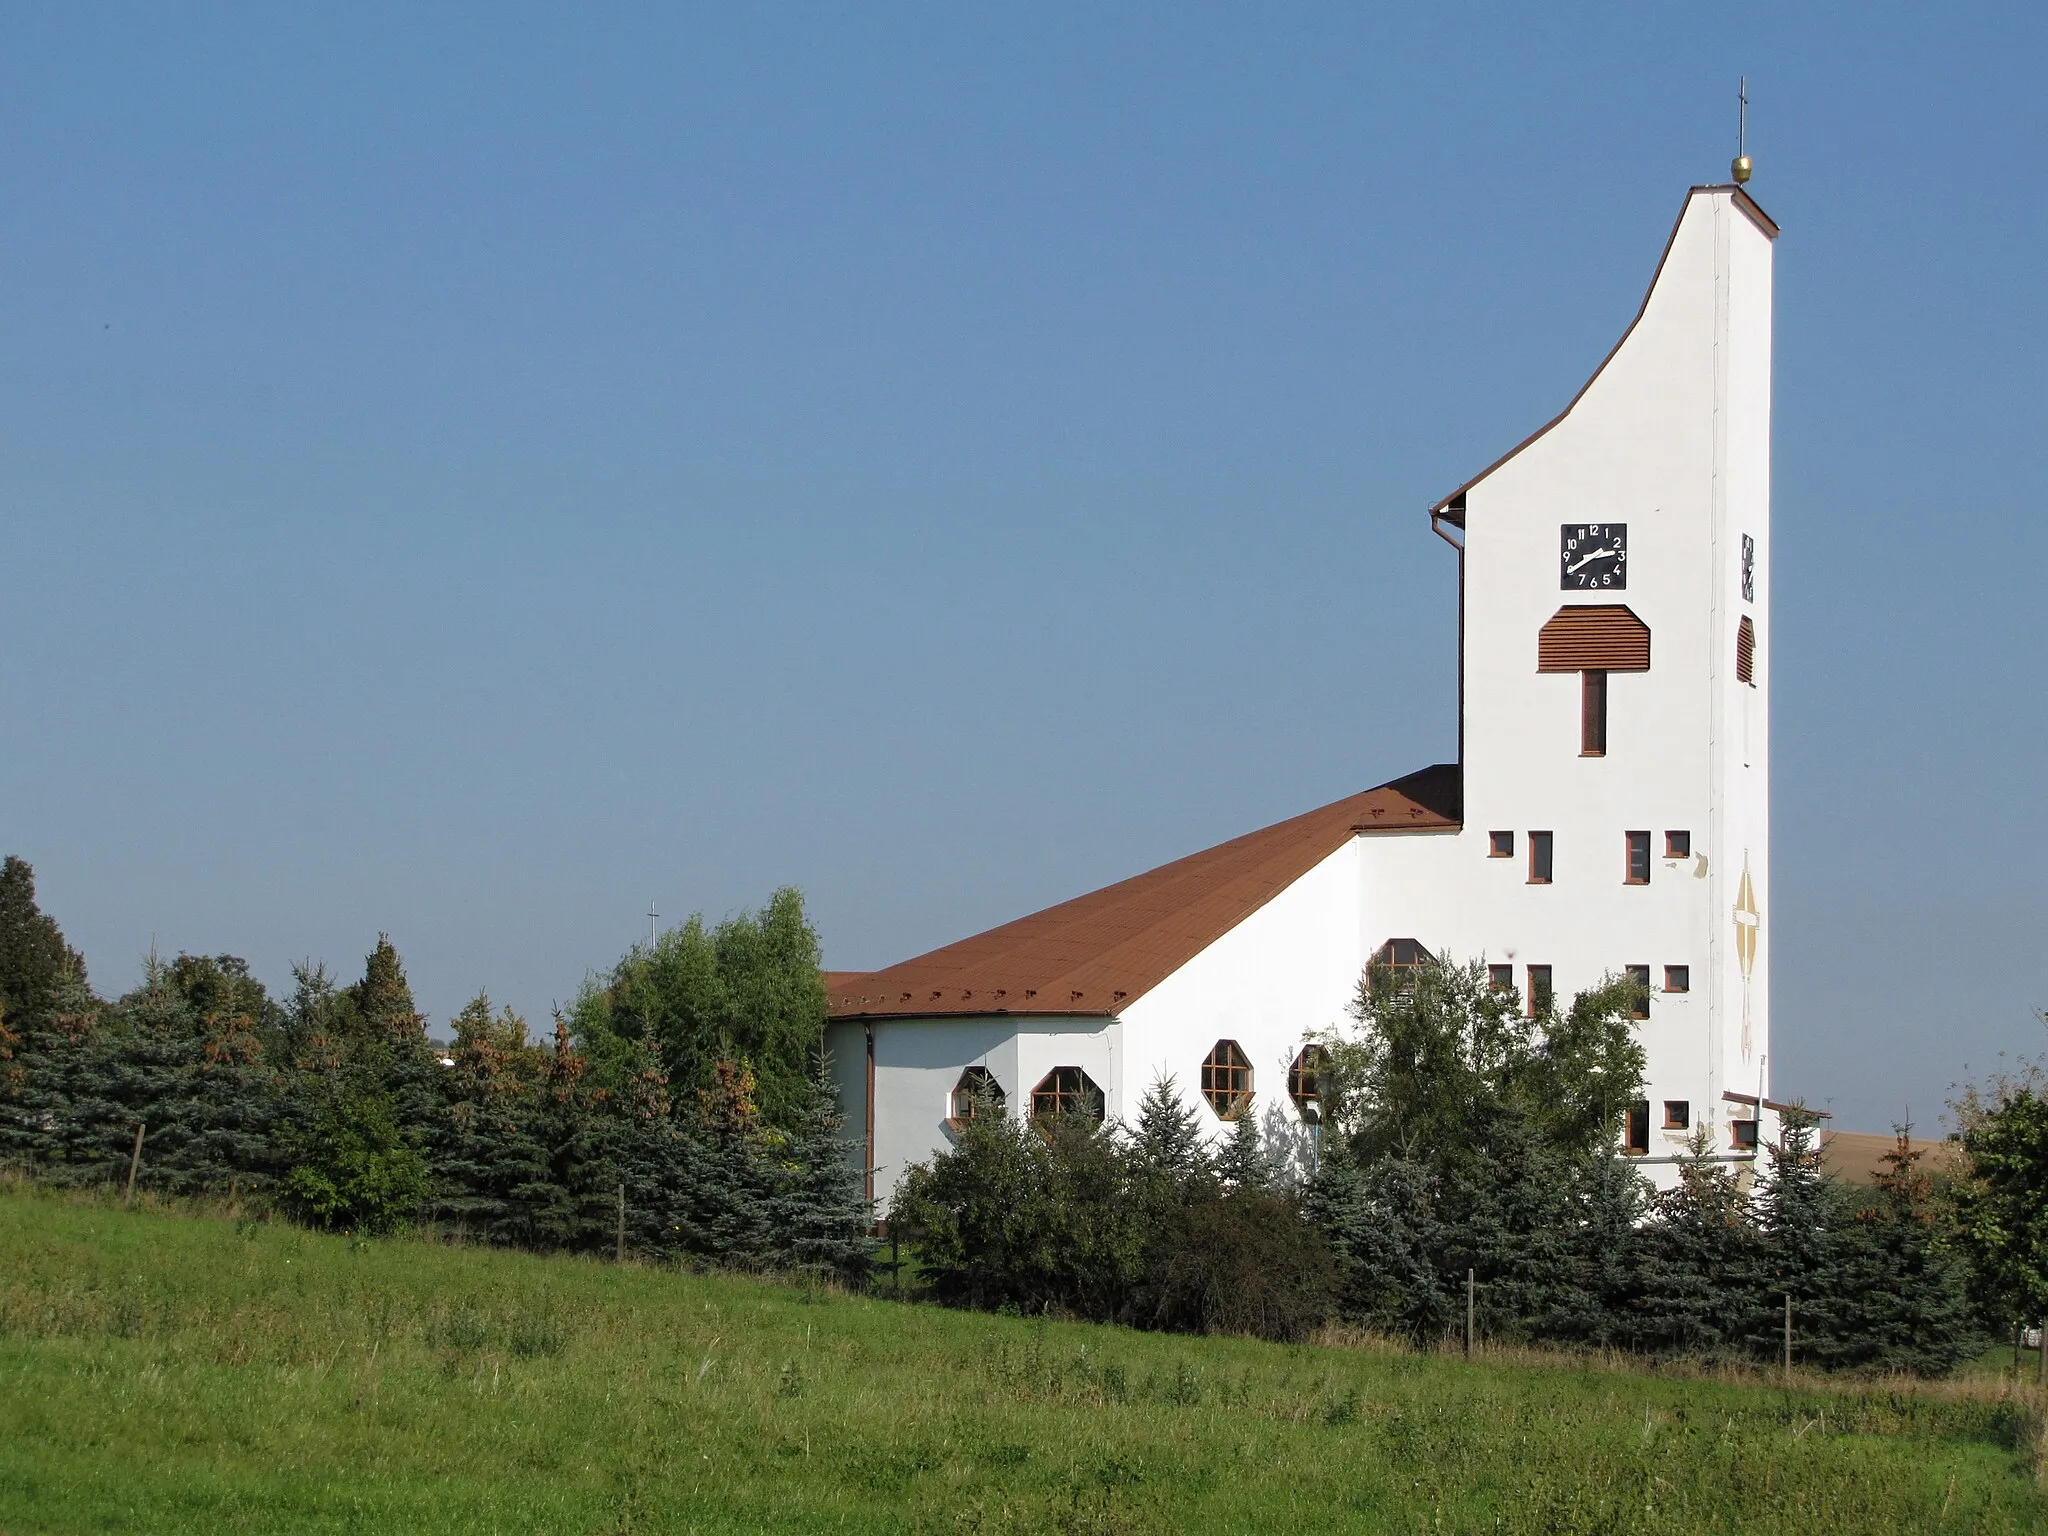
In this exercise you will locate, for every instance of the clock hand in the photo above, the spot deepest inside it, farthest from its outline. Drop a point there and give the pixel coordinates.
(1598, 554)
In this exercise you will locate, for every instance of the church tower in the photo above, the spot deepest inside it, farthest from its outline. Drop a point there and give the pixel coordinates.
(1615, 731)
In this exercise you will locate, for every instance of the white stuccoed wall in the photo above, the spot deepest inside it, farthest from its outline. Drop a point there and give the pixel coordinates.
(1673, 439)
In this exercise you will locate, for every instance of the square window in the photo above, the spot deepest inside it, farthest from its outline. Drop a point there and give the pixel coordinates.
(1500, 845)
(1539, 858)
(1540, 995)
(1742, 1135)
(1500, 977)
(1677, 845)
(1638, 871)
(1639, 1005)
(1636, 1132)
(1677, 978)
(1677, 1115)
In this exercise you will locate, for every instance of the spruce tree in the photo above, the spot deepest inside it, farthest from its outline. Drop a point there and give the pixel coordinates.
(1701, 1274)
(1242, 1165)
(1169, 1144)
(819, 1217)
(488, 1145)
(1903, 1276)
(1380, 1217)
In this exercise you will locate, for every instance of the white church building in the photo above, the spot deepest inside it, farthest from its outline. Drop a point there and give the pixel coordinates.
(1609, 810)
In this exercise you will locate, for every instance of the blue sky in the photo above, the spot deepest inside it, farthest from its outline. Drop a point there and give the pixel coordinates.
(466, 474)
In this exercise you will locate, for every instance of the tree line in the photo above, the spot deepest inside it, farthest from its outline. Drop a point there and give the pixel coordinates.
(682, 1109)
(1469, 1157)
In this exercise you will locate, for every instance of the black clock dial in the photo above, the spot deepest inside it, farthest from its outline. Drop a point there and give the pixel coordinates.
(1592, 557)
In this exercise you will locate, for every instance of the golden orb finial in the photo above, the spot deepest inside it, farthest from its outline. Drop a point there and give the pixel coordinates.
(1741, 169)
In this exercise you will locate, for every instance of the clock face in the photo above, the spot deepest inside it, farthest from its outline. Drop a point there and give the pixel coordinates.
(1592, 556)
(1748, 569)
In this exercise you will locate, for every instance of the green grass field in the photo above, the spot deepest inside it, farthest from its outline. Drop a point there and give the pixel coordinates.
(166, 1372)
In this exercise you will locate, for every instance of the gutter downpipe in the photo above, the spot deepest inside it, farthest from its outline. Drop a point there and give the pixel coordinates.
(868, 1118)
(1436, 526)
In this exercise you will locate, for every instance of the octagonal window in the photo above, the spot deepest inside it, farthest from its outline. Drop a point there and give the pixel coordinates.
(1067, 1091)
(1305, 1081)
(1227, 1079)
(978, 1094)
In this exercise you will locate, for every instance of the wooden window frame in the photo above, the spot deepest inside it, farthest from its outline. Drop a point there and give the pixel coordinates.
(1682, 975)
(1542, 988)
(1500, 845)
(1305, 1080)
(1227, 1080)
(1743, 1135)
(1678, 1114)
(1500, 978)
(1678, 844)
(1631, 842)
(1593, 712)
(1635, 1129)
(1640, 1008)
(977, 1084)
(1070, 1090)
(1547, 845)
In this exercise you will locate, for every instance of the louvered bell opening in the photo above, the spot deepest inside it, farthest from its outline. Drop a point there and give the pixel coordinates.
(1596, 637)
(1745, 652)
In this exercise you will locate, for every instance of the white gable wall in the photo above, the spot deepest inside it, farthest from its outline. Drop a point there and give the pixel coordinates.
(1281, 977)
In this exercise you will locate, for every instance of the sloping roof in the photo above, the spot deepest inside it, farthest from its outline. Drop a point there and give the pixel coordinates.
(1099, 953)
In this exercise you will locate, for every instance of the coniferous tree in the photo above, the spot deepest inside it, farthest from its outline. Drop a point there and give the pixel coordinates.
(1242, 1165)
(1903, 1277)
(1384, 1228)
(488, 1146)
(1798, 1214)
(730, 1208)
(35, 962)
(1602, 1306)
(1169, 1144)
(365, 1100)
(819, 1217)
(1701, 1275)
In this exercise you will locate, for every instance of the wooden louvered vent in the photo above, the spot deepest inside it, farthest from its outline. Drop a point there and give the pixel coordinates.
(1595, 637)
(1745, 651)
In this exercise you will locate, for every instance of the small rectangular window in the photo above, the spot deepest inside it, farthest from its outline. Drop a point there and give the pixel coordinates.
(1639, 1005)
(1638, 870)
(1745, 652)
(1592, 713)
(1677, 1115)
(1540, 995)
(1539, 858)
(1677, 978)
(1501, 978)
(1636, 1134)
(1742, 1135)
(1677, 845)
(1500, 845)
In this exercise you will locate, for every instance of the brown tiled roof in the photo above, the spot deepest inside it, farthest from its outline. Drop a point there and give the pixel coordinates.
(1099, 953)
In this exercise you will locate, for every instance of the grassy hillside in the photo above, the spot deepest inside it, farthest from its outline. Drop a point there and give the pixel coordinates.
(159, 1372)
